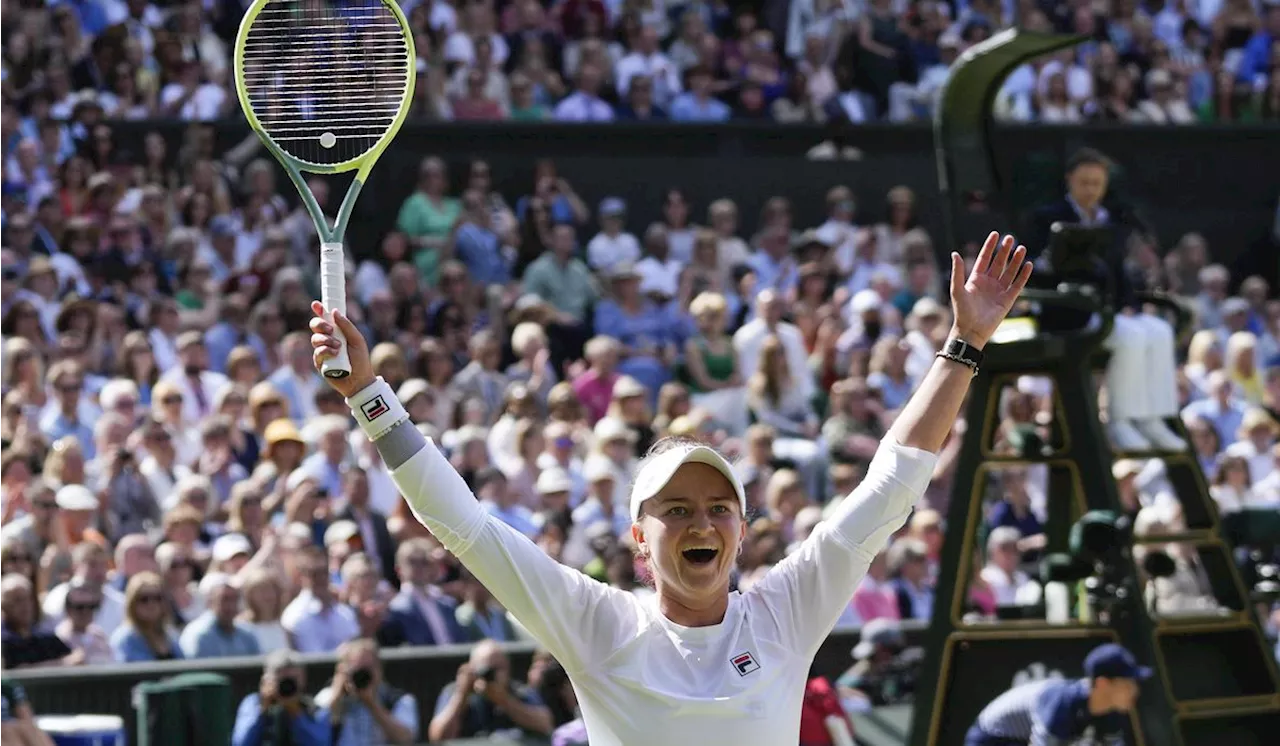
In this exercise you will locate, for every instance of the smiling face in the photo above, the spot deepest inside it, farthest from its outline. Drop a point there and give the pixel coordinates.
(690, 532)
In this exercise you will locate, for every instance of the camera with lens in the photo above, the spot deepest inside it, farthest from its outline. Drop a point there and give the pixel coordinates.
(1099, 545)
(486, 673)
(287, 687)
(361, 678)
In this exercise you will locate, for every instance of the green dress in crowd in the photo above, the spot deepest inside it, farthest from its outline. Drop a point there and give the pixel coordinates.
(719, 366)
(421, 218)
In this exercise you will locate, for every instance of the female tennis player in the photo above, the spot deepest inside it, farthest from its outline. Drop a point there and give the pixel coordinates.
(694, 664)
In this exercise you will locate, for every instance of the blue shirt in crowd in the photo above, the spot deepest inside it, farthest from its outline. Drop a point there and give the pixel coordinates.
(203, 638)
(1051, 712)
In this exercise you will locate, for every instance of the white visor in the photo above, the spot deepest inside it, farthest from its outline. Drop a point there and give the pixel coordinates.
(658, 470)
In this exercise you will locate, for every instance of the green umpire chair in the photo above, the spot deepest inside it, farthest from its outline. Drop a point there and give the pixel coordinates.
(192, 709)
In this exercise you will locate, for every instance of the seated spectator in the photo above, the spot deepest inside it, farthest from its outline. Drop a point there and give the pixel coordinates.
(613, 246)
(585, 104)
(648, 333)
(24, 644)
(908, 562)
(316, 620)
(1001, 572)
(362, 707)
(424, 612)
(484, 701)
(88, 565)
(78, 629)
(698, 105)
(480, 616)
(263, 604)
(1015, 509)
(145, 634)
(777, 402)
(281, 706)
(711, 365)
(875, 597)
(639, 105)
(217, 632)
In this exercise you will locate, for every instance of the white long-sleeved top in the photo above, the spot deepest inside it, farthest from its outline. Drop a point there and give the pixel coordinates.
(640, 678)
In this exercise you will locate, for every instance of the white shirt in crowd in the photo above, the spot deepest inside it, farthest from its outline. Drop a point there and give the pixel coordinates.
(460, 48)
(1005, 587)
(605, 252)
(579, 107)
(316, 629)
(204, 105)
(665, 75)
(110, 614)
(639, 677)
(748, 340)
(659, 277)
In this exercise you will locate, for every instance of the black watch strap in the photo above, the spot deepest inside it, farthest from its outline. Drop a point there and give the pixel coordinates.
(959, 351)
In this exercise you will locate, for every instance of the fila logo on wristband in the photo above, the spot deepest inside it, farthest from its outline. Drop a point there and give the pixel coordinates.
(374, 408)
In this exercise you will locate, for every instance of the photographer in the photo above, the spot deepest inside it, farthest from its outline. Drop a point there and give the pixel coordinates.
(280, 713)
(886, 669)
(363, 709)
(483, 701)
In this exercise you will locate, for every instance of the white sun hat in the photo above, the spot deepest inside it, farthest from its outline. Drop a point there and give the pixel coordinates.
(657, 470)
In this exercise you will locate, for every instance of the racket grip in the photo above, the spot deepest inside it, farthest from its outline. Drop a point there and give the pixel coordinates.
(333, 294)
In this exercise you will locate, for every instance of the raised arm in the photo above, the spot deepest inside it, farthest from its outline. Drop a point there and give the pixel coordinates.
(979, 303)
(576, 618)
(809, 589)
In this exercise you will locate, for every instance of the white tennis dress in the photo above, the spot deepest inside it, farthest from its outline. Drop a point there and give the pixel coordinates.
(642, 680)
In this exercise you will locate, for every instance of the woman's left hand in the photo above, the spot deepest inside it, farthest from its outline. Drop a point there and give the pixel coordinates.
(983, 300)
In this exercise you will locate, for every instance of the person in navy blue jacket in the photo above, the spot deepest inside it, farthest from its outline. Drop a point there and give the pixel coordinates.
(1056, 712)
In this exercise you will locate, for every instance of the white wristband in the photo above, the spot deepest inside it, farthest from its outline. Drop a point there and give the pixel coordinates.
(377, 409)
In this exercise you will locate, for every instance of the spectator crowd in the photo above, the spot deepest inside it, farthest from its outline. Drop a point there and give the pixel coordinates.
(179, 483)
(1157, 62)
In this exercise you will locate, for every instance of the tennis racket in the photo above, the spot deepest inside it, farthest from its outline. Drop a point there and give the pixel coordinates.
(326, 84)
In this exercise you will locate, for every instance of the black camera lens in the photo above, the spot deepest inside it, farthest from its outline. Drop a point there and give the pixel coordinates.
(287, 687)
(361, 678)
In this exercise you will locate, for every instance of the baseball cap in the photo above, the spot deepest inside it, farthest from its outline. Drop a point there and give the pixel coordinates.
(880, 632)
(657, 470)
(612, 206)
(1113, 661)
(551, 481)
(230, 545)
(76, 497)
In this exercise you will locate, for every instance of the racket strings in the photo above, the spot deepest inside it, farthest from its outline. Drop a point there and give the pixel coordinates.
(325, 78)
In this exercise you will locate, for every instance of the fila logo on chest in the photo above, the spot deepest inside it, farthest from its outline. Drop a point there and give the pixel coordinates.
(744, 663)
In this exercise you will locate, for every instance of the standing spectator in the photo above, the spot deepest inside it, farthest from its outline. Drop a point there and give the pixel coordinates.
(263, 604)
(561, 279)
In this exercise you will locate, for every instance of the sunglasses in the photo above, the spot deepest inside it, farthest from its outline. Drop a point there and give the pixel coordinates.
(20, 558)
(150, 598)
(84, 607)
(45, 504)
(171, 400)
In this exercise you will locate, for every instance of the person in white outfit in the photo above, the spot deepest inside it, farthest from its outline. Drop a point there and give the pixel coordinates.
(694, 663)
(1142, 389)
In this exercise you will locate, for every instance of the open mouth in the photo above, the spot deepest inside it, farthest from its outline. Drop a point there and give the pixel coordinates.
(700, 556)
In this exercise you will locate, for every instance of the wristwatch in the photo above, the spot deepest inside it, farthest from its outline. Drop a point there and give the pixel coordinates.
(959, 351)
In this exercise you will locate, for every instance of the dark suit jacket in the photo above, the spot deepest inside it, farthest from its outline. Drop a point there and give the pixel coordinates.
(404, 610)
(1123, 224)
(386, 546)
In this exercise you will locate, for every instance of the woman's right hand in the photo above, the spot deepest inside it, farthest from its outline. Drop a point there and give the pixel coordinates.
(324, 345)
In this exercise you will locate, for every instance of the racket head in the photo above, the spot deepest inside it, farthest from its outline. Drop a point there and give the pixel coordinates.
(326, 84)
